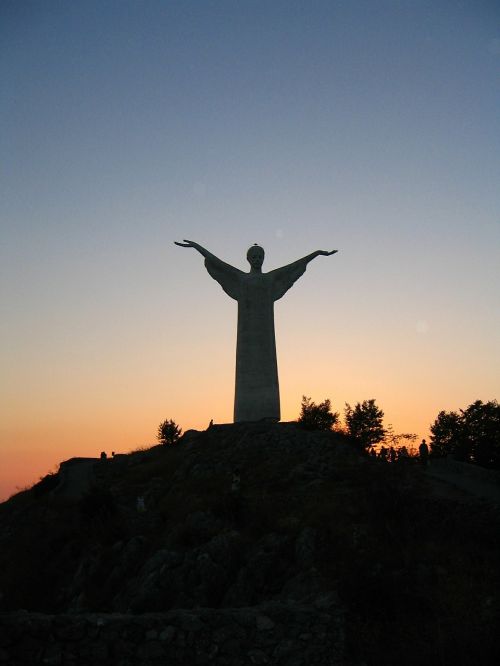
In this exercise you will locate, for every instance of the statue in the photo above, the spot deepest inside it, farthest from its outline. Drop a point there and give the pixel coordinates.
(257, 389)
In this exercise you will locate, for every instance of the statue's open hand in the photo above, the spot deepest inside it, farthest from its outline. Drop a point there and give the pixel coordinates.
(187, 243)
(196, 246)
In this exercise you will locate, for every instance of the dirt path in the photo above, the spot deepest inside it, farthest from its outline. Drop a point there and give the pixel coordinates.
(459, 481)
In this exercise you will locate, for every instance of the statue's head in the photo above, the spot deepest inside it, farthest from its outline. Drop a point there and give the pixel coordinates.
(255, 256)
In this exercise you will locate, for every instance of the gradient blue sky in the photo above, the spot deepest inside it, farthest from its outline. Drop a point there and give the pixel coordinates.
(370, 127)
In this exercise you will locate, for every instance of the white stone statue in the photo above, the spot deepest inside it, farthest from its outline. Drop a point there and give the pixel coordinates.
(257, 390)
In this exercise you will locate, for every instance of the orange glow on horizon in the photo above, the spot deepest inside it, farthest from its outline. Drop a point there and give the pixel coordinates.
(36, 449)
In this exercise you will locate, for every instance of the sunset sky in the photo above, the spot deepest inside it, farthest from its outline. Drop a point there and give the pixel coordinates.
(371, 127)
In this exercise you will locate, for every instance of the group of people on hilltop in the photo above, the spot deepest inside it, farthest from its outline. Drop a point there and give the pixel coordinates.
(393, 455)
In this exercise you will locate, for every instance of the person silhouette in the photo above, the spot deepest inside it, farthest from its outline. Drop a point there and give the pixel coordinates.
(423, 452)
(257, 387)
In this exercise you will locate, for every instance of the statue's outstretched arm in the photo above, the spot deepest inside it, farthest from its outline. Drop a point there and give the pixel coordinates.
(302, 263)
(284, 277)
(317, 253)
(197, 246)
(211, 261)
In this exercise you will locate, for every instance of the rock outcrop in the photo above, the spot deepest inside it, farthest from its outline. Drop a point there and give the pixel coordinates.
(317, 555)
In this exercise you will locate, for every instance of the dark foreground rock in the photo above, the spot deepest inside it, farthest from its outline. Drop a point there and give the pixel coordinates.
(274, 634)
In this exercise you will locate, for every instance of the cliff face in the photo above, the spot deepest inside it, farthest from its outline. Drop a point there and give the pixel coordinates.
(216, 521)
(252, 515)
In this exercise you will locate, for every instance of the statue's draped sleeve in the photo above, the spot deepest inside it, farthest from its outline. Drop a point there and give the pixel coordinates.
(284, 278)
(226, 275)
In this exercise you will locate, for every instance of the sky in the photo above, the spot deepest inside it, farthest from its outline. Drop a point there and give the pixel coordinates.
(366, 126)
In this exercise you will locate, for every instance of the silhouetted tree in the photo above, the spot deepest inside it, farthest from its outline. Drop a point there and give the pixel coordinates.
(446, 432)
(317, 417)
(473, 435)
(481, 432)
(168, 432)
(394, 439)
(364, 423)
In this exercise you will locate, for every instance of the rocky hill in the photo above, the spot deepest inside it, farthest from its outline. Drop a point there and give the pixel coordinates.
(254, 516)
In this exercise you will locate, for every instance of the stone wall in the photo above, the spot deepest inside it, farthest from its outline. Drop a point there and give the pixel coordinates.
(274, 634)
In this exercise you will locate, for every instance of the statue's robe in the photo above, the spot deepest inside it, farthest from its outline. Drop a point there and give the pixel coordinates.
(257, 393)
